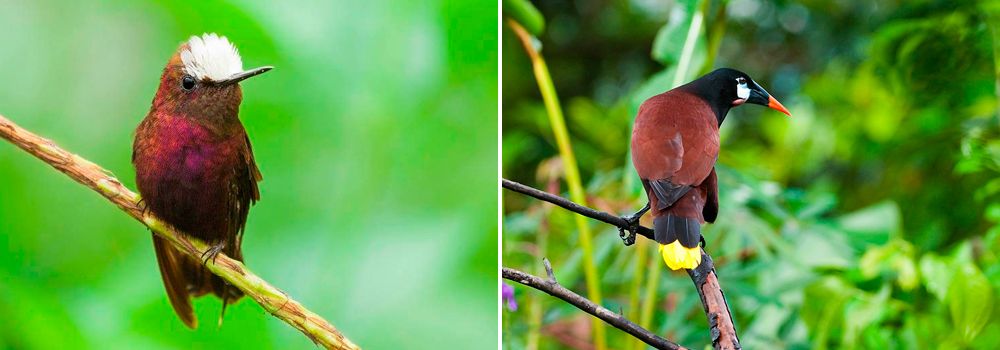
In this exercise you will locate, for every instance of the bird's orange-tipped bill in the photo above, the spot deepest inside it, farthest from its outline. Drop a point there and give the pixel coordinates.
(775, 105)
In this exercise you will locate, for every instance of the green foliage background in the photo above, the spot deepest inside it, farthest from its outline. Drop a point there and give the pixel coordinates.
(868, 220)
(375, 133)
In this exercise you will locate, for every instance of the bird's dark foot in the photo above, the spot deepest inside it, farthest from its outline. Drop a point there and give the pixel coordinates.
(702, 242)
(212, 252)
(627, 238)
(632, 226)
(627, 233)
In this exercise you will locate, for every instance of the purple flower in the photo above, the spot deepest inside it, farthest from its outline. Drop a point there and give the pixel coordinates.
(507, 293)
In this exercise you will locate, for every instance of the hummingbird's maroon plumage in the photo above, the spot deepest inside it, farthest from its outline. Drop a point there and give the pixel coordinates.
(194, 165)
(675, 144)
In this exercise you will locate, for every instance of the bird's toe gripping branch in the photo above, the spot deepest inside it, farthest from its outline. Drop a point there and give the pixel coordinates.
(212, 252)
(629, 237)
(631, 226)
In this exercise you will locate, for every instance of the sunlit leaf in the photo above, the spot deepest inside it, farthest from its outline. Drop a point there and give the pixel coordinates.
(970, 300)
(936, 275)
(669, 42)
(874, 224)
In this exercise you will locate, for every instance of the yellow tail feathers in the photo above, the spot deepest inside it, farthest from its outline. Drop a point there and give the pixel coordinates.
(679, 257)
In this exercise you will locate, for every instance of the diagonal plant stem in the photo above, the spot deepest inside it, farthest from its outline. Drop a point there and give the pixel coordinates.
(714, 34)
(272, 299)
(635, 287)
(553, 288)
(551, 100)
(649, 293)
(687, 51)
(706, 281)
(992, 11)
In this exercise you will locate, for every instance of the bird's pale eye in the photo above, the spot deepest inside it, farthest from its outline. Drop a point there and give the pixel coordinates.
(742, 90)
(187, 83)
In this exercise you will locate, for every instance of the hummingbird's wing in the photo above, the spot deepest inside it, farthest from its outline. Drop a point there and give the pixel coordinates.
(244, 194)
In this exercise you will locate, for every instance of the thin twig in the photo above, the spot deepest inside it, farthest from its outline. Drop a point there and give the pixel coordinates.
(705, 279)
(553, 288)
(573, 207)
(91, 175)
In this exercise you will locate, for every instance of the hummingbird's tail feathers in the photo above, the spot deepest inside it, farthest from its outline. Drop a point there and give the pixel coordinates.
(678, 238)
(171, 269)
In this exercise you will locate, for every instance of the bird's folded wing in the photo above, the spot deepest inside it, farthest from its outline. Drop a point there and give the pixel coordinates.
(667, 193)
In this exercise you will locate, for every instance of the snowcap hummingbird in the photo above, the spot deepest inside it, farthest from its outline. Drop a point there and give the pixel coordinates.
(194, 165)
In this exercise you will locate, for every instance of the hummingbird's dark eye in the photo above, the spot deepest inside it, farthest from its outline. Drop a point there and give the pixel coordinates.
(187, 82)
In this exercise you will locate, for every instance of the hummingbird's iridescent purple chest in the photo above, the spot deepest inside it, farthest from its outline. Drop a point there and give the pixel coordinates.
(185, 172)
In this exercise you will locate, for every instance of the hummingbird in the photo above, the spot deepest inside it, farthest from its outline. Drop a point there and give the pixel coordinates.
(195, 168)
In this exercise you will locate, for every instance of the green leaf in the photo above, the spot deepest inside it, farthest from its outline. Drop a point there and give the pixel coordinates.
(669, 41)
(872, 225)
(819, 250)
(863, 312)
(970, 300)
(906, 272)
(526, 14)
(936, 275)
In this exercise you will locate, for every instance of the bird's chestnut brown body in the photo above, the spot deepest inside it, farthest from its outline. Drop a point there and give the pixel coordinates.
(675, 141)
(675, 144)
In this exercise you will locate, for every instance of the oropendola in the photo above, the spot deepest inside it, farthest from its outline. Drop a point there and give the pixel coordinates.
(675, 143)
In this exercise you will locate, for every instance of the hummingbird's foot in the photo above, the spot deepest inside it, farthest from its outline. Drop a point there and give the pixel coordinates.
(141, 204)
(632, 226)
(212, 252)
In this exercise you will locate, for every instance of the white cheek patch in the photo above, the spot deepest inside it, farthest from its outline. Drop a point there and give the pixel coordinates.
(211, 57)
(742, 91)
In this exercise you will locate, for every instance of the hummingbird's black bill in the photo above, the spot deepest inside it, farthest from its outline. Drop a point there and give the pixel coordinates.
(238, 77)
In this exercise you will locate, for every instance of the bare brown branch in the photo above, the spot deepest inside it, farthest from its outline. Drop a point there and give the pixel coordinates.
(553, 288)
(705, 279)
(89, 174)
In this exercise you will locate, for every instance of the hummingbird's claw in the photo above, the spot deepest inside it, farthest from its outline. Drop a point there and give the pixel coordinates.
(141, 204)
(212, 252)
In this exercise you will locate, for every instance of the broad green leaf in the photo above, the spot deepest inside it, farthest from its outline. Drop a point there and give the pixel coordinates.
(826, 251)
(872, 225)
(863, 312)
(970, 300)
(906, 272)
(936, 275)
(669, 42)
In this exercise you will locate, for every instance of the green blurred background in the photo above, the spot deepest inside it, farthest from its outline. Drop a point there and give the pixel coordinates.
(867, 220)
(375, 133)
